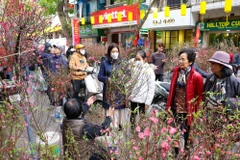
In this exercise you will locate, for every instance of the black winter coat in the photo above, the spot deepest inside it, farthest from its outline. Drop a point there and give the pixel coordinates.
(232, 90)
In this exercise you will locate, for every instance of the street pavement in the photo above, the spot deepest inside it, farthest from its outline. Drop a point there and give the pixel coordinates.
(41, 120)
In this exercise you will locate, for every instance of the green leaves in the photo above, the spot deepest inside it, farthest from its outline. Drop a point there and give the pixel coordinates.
(49, 5)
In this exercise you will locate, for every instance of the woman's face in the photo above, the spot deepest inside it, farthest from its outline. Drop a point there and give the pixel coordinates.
(114, 53)
(138, 57)
(216, 68)
(184, 62)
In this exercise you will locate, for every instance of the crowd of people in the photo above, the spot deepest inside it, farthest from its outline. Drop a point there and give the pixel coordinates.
(187, 89)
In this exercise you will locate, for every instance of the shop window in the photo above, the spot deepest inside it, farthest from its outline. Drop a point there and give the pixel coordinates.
(188, 36)
(169, 38)
(217, 38)
(173, 38)
(159, 37)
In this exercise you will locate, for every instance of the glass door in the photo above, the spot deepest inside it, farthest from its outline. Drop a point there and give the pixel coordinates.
(217, 38)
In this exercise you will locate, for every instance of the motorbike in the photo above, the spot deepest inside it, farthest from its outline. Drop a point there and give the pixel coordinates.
(93, 86)
(161, 95)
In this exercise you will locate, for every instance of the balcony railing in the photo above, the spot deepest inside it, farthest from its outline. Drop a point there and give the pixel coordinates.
(197, 2)
(175, 3)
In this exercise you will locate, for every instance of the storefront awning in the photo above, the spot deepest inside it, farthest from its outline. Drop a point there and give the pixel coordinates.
(174, 22)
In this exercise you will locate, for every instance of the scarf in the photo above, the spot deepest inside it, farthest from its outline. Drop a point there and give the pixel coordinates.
(217, 93)
(182, 76)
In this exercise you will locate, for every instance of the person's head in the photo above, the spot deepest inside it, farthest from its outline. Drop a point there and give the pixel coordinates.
(58, 49)
(72, 109)
(220, 62)
(161, 47)
(113, 51)
(141, 56)
(186, 58)
(80, 48)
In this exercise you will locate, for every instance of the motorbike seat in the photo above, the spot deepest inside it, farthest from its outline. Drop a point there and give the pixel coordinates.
(165, 85)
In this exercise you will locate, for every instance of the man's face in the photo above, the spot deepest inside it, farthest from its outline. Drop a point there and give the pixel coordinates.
(160, 49)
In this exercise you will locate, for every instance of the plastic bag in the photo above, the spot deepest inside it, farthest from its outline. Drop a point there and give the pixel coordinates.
(93, 85)
(41, 83)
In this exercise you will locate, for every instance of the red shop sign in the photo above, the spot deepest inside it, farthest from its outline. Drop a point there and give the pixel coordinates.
(75, 32)
(114, 12)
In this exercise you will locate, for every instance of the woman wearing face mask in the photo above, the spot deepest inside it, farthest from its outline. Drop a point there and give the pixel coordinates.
(186, 93)
(143, 91)
(107, 64)
(77, 65)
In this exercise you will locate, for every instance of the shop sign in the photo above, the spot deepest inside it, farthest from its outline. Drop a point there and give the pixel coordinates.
(114, 12)
(221, 25)
(75, 32)
(88, 31)
(174, 21)
(104, 38)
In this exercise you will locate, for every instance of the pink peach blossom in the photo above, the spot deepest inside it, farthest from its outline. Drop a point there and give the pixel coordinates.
(169, 139)
(154, 120)
(147, 132)
(165, 146)
(141, 135)
(172, 130)
(170, 120)
(135, 148)
(138, 129)
(208, 152)
(28, 90)
(164, 155)
(196, 158)
(163, 130)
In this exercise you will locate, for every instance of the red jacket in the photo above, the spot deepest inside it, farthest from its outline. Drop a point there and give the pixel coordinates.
(194, 89)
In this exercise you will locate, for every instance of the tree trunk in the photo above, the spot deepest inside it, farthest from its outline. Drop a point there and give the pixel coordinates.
(65, 21)
(138, 27)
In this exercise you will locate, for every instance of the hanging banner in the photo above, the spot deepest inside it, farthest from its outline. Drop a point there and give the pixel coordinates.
(198, 34)
(75, 32)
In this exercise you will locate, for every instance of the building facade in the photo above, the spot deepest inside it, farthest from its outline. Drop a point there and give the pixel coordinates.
(119, 31)
(215, 27)
(172, 30)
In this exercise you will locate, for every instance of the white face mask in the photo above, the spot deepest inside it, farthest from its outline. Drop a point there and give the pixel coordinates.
(114, 55)
(140, 63)
(82, 51)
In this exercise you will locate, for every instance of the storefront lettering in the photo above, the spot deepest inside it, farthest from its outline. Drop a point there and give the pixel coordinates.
(218, 24)
(85, 30)
(223, 24)
(115, 14)
(164, 21)
(235, 23)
